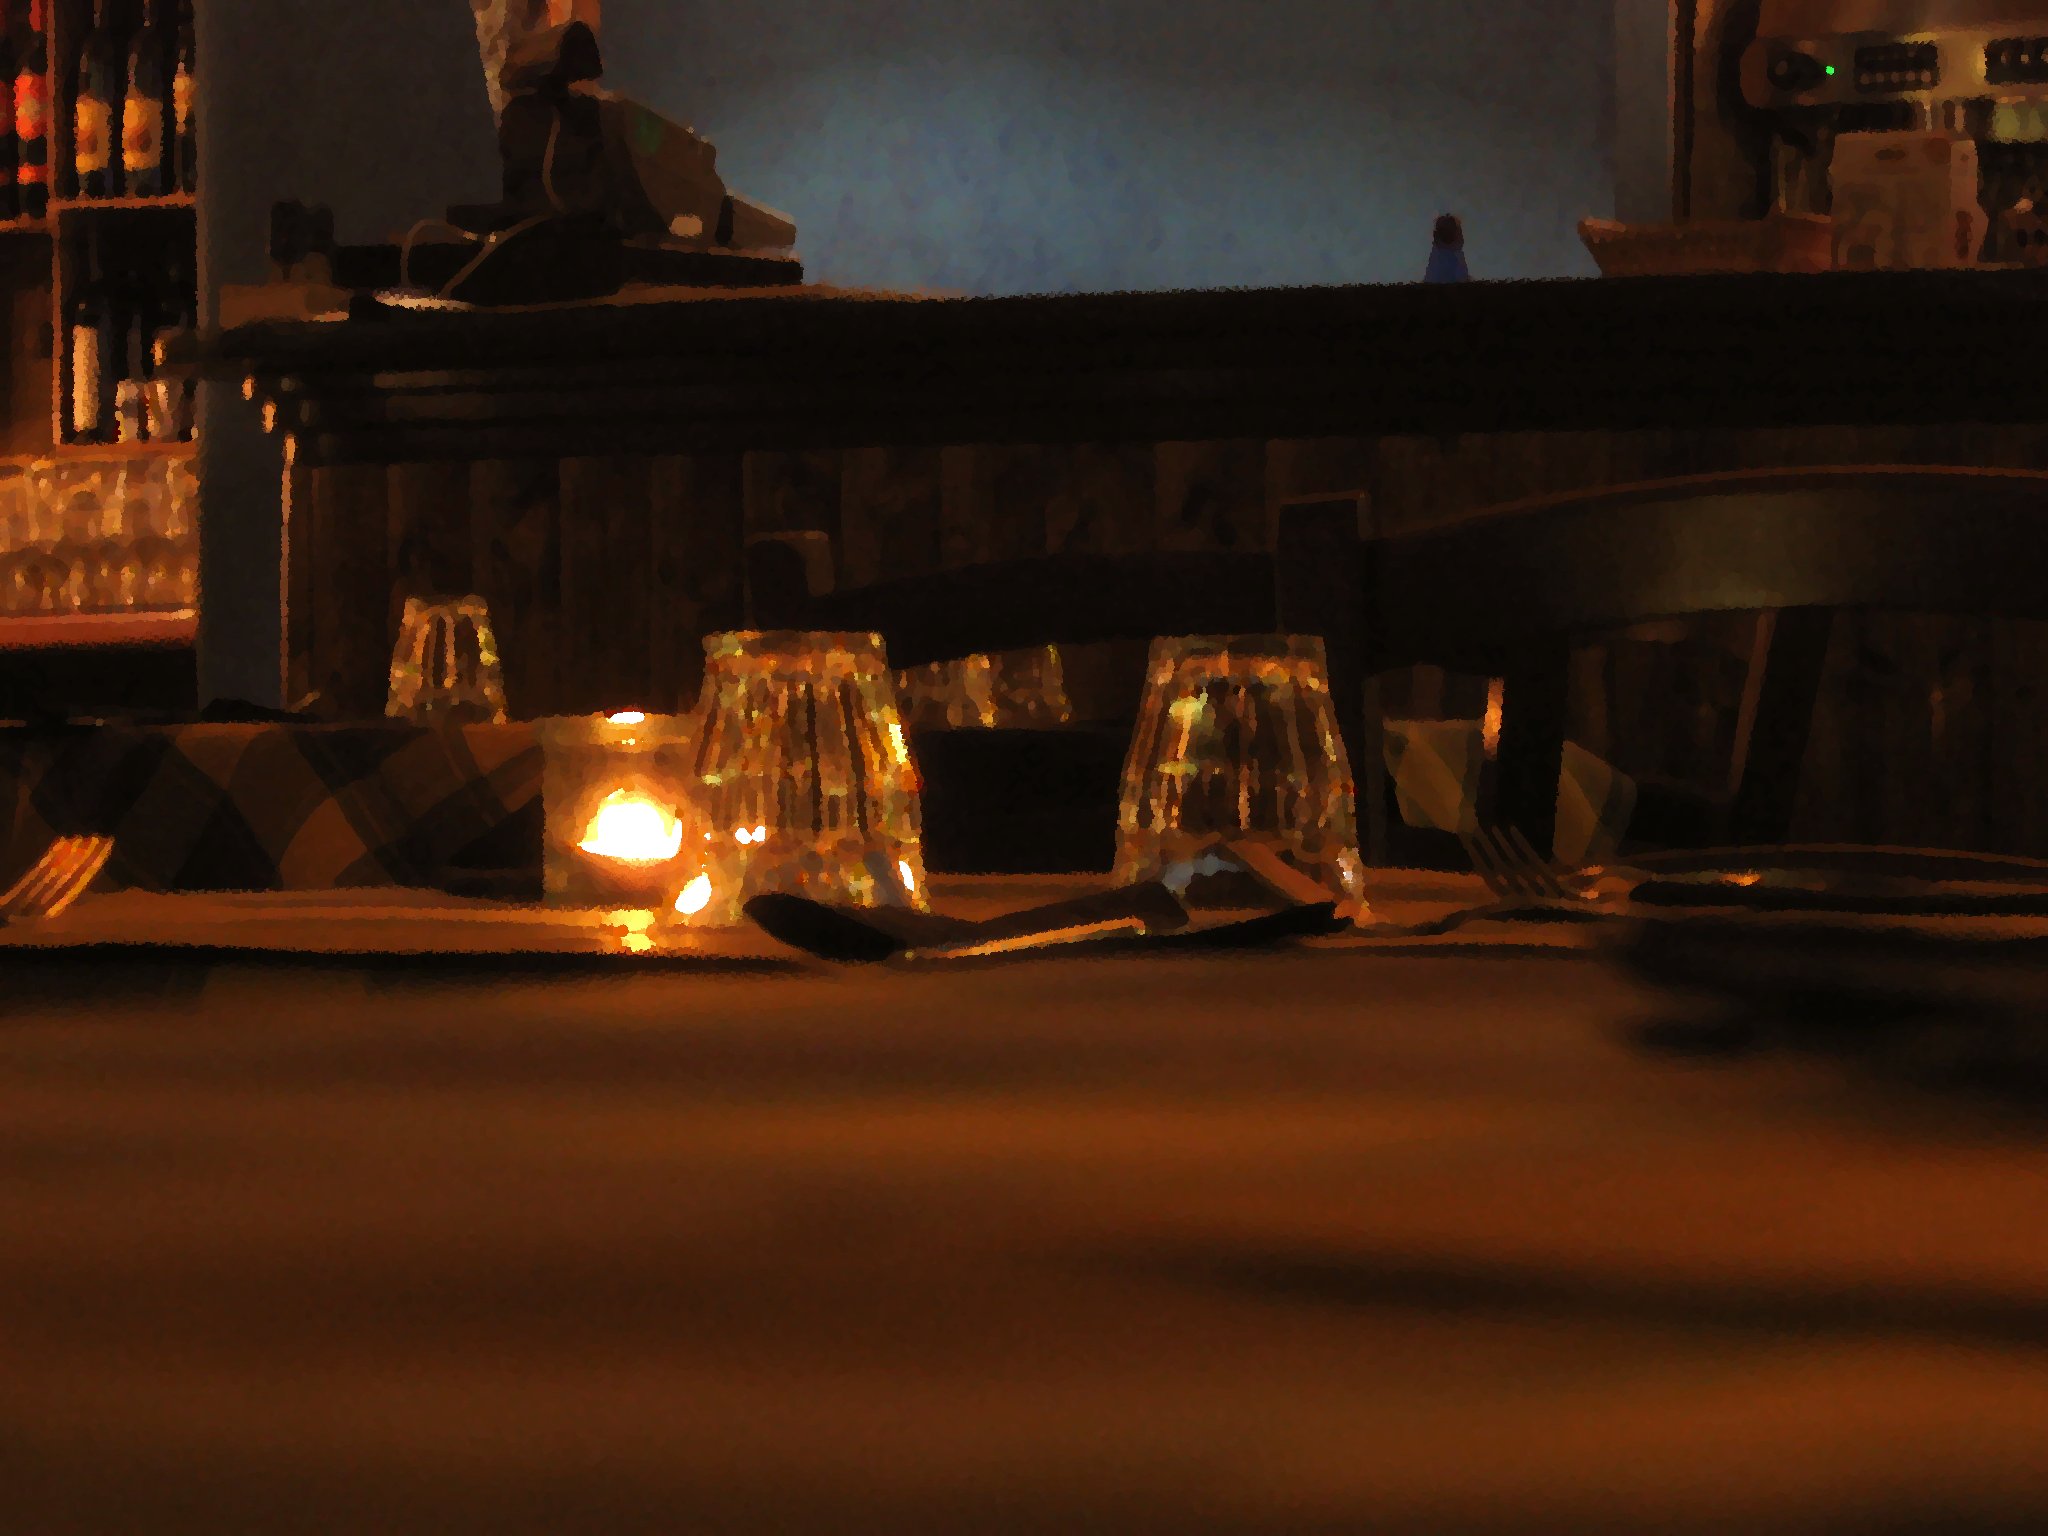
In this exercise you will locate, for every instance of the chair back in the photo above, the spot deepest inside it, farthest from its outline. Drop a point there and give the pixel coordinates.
(1505, 592)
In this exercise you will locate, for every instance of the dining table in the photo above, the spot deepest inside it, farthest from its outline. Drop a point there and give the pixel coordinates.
(394, 1211)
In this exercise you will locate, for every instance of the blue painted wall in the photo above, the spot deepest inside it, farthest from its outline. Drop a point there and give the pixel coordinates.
(1007, 146)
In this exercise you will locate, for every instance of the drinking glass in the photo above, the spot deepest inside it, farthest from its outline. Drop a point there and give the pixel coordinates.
(445, 665)
(803, 777)
(1237, 741)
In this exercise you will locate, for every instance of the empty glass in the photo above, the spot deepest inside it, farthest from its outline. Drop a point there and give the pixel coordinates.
(803, 777)
(445, 665)
(1237, 741)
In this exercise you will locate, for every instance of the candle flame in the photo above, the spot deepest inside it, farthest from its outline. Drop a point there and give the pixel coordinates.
(695, 897)
(909, 879)
(627, 717)
(633, 830)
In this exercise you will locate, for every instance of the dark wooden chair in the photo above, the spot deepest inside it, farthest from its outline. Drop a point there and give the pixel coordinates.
(1022, 801)
(1506, 592)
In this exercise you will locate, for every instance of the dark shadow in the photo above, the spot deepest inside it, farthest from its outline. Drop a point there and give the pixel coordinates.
(1452, 1287)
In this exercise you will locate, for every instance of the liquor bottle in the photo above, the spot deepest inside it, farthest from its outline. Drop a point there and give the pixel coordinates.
(1447, 252)
(94, 161)
(32, 112)
(142, 114)
(10, 176)
(184, 86)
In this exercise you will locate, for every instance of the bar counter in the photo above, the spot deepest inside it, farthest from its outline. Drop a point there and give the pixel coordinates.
(666, 370)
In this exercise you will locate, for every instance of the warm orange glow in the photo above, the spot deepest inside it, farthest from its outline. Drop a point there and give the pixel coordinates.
(627, 717)
(633, 829)
(1489, 730)
(695, 897)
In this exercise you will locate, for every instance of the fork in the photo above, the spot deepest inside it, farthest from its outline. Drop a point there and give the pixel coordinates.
(57, 879)
(1516, 874)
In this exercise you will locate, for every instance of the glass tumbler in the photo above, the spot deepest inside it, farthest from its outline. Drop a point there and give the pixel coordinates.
(803, 777)
(1237, 741)
(445, 665)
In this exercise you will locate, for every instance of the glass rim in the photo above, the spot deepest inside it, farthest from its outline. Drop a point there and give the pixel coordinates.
(1276, 647)
(600, 729)
(794, 644)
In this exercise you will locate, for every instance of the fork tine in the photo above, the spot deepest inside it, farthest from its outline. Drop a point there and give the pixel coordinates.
(32, 874)
(1529, 877)
(82, 876)
(1482, 866)
(1498, 873)
(1538, 867)
(59, 878)
(45, 875)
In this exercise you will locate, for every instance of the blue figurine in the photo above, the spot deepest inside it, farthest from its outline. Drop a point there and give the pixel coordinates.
(1447, 252)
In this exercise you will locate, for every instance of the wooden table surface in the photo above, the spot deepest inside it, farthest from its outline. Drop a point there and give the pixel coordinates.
(1324, 1240)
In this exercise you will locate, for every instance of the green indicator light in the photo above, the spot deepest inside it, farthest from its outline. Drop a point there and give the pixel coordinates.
(1831, 69)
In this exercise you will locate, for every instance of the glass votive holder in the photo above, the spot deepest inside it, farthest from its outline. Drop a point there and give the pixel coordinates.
(615, 803)
(445, 665)
(803, 776)
(1237, 741)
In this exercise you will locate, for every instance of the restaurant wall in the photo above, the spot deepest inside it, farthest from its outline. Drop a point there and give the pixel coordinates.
(1002, 146)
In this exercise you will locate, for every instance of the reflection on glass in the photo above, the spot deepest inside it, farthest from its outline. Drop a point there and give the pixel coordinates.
(1236, 739)
(803, 777)
(1012, 690)
(445, 665)
(103, 536)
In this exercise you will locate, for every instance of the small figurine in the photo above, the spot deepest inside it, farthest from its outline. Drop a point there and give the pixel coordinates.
(1447, 252)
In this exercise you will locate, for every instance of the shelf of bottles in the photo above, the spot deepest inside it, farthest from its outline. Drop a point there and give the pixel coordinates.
(109, 537)
(98, 155)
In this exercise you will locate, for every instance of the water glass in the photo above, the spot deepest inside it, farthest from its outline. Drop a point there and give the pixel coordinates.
(803, 777)
(1237, 740)
(445, 665)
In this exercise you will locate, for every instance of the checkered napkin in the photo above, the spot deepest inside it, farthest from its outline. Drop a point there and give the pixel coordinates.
(274, 807)
(1435, 768)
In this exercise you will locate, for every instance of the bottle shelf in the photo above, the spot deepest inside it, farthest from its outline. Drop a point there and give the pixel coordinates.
(182, 450)
(76, 205)
(47, 630)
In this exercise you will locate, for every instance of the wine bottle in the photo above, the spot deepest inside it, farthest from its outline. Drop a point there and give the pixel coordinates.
(184, 87)
(92, 144)
(32, 112)
(10, 174)
(87, 340)
(142, 114)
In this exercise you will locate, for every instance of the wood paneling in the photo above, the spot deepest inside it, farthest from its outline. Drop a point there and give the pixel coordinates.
(354, 624)
(699, 545)
(607, 546)
(515, 552)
